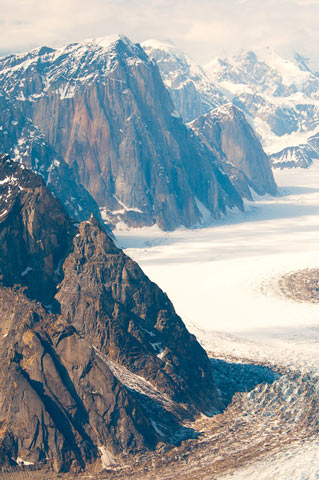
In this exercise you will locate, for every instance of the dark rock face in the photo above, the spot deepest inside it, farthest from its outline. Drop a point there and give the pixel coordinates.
(109, 300)
(26, 144)
(102, 105)
(34, 231)
(226, 131)
(95, 361)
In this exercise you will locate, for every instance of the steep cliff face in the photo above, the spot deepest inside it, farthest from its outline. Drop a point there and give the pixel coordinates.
(226, 131)
(34, 231)
(102, 105)
(95, 362)
(106, 296)
(26, 144)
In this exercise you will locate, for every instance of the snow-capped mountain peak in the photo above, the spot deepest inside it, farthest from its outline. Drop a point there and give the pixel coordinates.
(72, 65)
(191, 90)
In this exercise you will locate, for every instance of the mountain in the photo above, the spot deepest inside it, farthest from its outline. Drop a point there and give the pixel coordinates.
(242, 157)
(96, 364)
(279, 96)
(26, 144)
(192, 92)
(301, 155)
(103, 107)
(222, 128)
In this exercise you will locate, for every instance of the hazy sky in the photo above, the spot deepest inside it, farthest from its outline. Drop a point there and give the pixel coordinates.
(202, 28)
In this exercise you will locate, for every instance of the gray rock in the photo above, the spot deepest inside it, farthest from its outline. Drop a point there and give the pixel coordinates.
(227, 132)
(26, 144)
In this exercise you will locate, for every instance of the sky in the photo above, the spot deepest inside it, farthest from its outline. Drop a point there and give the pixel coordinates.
(202, 28)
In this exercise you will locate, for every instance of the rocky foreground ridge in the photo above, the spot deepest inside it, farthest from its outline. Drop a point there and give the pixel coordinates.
(95, 362)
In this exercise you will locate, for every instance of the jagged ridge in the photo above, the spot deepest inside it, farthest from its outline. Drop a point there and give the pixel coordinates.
(94, 358)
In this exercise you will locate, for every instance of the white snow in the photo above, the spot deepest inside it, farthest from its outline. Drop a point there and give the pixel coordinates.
(20, 461)
(125, 207)
(107, 458)
(216, 276)
(157, 429)
(297, 463)
(290, 72)
(221, 280)
(9, 179)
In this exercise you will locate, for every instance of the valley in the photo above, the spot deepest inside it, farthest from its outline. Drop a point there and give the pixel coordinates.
(223, 280)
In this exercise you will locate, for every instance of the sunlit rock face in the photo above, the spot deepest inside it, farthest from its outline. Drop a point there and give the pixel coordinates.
(25, 143)
(94, 358)
(226, 131)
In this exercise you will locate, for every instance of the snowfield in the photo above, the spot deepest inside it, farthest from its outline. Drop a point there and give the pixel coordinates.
(222, 280)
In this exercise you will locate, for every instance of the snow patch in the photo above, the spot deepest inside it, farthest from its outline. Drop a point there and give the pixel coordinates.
(21, 462)
(26, 271)
(107, 458)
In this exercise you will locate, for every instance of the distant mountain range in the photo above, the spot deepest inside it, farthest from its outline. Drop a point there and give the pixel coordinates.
(280, 97)
(101, 106)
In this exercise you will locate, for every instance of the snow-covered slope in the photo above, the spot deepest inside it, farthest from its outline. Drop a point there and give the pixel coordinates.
(279, 96)
(72, 62)
(191, 90)
(224, 281)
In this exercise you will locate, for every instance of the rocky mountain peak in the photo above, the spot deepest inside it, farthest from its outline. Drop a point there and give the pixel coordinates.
(192, 92)
(280, 97)
(35, 232)
(96, 364)
(103, 107)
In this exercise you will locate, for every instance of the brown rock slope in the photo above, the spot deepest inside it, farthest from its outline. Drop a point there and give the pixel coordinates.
(95, 361)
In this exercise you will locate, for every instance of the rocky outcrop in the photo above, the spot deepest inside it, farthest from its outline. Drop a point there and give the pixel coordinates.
(227, 133)
(102, 105)
(20, 138)
(302, 155)
(96, 364)
(109, 300)
(35, 231)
